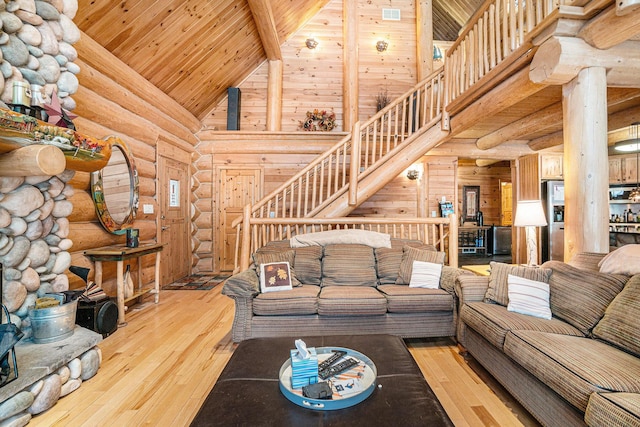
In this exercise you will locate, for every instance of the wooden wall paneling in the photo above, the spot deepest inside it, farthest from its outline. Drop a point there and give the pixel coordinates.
(351, 79)
(488, 178)
(440, 177)
(394, 70)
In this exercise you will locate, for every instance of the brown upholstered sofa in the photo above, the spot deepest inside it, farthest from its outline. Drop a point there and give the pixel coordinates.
(345, 289)
(580, 367)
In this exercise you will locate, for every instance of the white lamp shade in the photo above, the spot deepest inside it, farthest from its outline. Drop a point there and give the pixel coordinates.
(529, 213)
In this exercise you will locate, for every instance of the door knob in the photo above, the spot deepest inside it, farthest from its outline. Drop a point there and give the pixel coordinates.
(165, 227)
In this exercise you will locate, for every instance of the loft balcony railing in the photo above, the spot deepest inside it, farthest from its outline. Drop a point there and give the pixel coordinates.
(496, 35)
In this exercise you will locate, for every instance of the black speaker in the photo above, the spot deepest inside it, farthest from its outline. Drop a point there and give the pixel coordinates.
(233, 108)
(100, 316)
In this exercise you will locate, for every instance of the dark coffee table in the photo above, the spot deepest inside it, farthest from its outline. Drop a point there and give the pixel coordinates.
(247, 391)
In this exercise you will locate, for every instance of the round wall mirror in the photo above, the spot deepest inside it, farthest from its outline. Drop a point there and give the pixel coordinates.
(115, 189)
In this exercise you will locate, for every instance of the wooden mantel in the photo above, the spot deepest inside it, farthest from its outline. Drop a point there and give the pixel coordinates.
(32, 147)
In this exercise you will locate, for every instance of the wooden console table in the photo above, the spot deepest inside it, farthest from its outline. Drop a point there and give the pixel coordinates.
(119, 254)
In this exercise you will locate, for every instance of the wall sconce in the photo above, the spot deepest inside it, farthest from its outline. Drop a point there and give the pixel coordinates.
(311, 43)
(382, 45)
(413, 174)
(437, 53)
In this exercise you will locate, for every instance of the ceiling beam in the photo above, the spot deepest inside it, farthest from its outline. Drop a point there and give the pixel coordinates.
(547, 141)
(560, 59)
(266, 24)
(466, 148)
(506, 94)
(545, 118)
(598, 32)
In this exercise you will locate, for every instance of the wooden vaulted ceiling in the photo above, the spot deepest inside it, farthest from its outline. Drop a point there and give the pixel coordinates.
(194, 50)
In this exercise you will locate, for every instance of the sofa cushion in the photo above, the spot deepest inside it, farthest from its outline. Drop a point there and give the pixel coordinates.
(410, 254)
(624, 260)
(300, 300)
(586, 260)
(403, 299)
(574, 367)
(351, 301)
(308, 265)
(613, 410)
(388, 259)
(350, 265)
(268, 257)
(620, 325)
(307, 260)
(580, 297)
(498, 291)
(388, 264)
(493, 322)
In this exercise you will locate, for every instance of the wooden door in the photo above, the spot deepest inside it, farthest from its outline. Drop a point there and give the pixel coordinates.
(238, 187)
(174, 192)
(506, 203)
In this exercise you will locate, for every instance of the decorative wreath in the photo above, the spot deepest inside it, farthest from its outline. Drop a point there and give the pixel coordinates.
(319, 121)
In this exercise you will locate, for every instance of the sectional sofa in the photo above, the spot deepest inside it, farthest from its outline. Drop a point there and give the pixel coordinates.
(581, 365)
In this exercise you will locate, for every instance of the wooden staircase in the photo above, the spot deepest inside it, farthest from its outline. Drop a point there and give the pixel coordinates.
(375, 152)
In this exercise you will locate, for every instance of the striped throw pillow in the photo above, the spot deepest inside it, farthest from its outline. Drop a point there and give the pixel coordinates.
(528, 297)
(409, 255)
(425, 275)
(498, 291)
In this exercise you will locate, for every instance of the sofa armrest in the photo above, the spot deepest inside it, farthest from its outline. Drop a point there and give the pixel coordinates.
(242, 285)
(449, 277)
(471, 288)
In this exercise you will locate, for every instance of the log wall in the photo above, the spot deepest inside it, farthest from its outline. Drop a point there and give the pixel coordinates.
(114, 100)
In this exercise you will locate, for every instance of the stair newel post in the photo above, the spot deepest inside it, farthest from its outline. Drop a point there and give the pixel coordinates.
(354, 167)
(245, 247)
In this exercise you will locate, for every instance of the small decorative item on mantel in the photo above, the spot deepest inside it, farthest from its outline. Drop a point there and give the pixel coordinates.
(58, 116)
(317, 120)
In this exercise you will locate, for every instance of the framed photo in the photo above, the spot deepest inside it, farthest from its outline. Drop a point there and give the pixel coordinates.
(470, 202)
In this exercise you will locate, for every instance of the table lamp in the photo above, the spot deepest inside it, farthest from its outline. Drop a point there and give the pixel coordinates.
(529, 214)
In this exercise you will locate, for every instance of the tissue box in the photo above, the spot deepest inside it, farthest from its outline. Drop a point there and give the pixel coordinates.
(304, 371)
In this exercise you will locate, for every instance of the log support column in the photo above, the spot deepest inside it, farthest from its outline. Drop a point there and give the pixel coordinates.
(274, 96)
(586, 166)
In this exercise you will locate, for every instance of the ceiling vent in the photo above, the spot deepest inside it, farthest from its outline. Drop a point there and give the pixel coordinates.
(390, 14)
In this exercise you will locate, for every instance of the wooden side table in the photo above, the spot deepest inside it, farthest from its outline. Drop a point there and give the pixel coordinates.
(480, 269)
(119, 254)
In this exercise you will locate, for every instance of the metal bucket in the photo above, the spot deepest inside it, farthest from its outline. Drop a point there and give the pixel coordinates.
(54, 323)
(21, 93)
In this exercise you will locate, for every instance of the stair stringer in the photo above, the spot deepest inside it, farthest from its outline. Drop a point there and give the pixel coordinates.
(422, 141)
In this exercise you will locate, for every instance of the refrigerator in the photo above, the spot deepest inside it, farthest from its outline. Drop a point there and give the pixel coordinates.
(552, 236)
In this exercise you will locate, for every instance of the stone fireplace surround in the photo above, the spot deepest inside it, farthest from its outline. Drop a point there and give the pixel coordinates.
(34, 248)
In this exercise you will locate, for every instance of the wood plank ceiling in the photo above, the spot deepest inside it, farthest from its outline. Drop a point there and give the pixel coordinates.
(194, 50)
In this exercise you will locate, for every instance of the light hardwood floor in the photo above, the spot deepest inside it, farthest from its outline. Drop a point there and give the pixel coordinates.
(159, 368)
